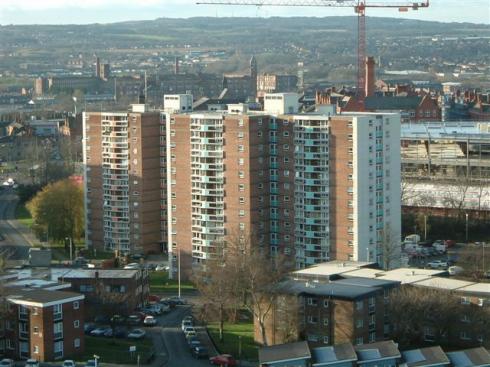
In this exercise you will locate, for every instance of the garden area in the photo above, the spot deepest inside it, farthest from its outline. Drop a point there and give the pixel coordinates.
(232, 333)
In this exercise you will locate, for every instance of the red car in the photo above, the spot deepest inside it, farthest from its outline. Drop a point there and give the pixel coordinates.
(224, 360)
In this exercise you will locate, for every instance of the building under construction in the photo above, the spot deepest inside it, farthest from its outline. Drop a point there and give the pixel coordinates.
(446, 165)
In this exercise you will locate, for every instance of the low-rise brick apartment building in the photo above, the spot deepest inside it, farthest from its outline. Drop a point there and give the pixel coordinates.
(122, 289)
(324, 313)
(46, 325)
(320, 304)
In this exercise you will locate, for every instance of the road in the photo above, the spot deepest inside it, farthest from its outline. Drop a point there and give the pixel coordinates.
(12, 240)
(178, 354)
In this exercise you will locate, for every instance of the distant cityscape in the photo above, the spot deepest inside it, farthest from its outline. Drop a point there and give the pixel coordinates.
(181, 192)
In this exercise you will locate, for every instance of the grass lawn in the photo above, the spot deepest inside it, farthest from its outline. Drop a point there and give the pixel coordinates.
(23, 215)
(231, 333)
(117, 350)
(159, 283)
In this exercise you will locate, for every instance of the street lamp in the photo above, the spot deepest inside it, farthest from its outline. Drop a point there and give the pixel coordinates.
(96, 359)
(71, 247)
(466, 227)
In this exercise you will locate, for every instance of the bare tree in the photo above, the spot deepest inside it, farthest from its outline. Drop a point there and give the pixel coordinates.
(417, 313)
(242, 277)
(456, 195)
(390, 249)
(215, 284)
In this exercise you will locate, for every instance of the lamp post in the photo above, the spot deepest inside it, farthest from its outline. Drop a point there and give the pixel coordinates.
(466, 227)
(96, 359)
(425, 227)
(71, 247)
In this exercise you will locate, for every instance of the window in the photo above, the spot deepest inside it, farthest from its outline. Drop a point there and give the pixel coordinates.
(242, 226)
(35, 349)
(35, 329)
(465, 301)
(241, 213)
(58, 349)
(285, 133)
(241, 161)
(359, 323)
(240, 123)
(58, 330)
(465, 318)
(241, 200)
(241, 148)
(325, 340)
(359, 340)
(76, 324)
(240, 135)
(464, 335)
(359, 305)
(312, 319)
(312, 338)
(241, 174)
(372, 337)
(286, 173)
(241, 187)
(76, 343)
(429, 334)
(326, 303)
(57, 312)
(480, 302)
(285, 147)
(286, 198)
(326, 321)
(311, 301)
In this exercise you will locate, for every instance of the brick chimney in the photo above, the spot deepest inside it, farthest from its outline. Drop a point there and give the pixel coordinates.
(370, 76)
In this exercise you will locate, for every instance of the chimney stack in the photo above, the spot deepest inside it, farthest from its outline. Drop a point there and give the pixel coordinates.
(176, 66)
(370, 76)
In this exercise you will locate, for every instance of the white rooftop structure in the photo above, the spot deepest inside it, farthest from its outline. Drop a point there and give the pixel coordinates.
(443, 283)
(480, 288)
(331, 268)
(409, 275)
(365, 273)
(60, 273)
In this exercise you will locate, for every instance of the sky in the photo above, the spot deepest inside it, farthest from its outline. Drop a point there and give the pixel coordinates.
(109, 11)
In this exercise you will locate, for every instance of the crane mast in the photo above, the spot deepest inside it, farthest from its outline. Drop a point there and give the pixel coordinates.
(359, 7)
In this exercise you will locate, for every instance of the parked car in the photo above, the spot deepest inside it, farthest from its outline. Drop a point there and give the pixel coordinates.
(186, 324)
(32, 363)
(193, 342)
(178, 300)
(6, 363)
(149, 321)
(69, 363)
(90, 363)
(200, 352)
(188, 318)
(149, 311)
(165, 307)
(455, 270)
(134, 319)
(132, 266)
(189, 331)
(137, 334)
(117, 319)
(88, 327)
(486, 274)
(438, 264)
(109, 333)
(100, 331)
(161, 267)
(223, 360)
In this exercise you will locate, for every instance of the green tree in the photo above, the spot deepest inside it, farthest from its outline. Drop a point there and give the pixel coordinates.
(58, 210)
